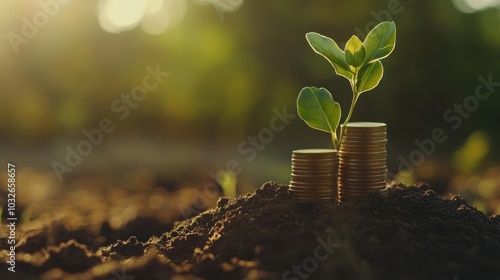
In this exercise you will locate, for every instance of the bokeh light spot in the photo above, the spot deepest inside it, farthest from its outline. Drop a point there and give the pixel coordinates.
(471, 6)
(116, 16)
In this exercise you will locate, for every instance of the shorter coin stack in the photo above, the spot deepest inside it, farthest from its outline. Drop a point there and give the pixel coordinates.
(362, 160)
(314, 175)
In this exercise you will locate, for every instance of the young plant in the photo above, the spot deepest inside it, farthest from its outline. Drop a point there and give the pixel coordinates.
(359, 63)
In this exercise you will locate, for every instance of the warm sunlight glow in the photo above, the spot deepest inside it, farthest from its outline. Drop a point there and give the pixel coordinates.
(116, 16)
(154, 16)
(159, 18)
(471, 6)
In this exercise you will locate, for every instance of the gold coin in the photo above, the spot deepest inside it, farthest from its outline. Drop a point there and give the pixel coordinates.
(362, 143)
(313, 165)
(352, 164)
(312, 185)
(357, 132)
(360, 189)
(346, 174)
(347, 170)
(360, 169)
(358, 153)
(365, 139)
(315, 158)
(362, 181)
(330, 176)
(306, 183)
(304, 188)
(351, 180)
(316, 186)
(351, 131)
(361, 160)
(361, 156)
(330, 169)
(354, 150)
(357, 163)
(312, 162)
(367, 184)
(363, 175)
(306, 156)
(324, 175)
(314, 151)
(332, 172)
(370, 156)
(364, 156)
(313, 189)
(364, 126)
(313, 169)
(328, 172)
(362, 172)
(314, 175)
(360, 185)
(308, 172)
(363, 149)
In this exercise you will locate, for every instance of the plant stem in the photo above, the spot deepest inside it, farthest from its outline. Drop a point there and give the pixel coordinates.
(335, 141)
(355, 96)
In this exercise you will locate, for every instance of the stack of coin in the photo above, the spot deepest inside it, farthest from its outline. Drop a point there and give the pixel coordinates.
(314, 175)
(362, 160)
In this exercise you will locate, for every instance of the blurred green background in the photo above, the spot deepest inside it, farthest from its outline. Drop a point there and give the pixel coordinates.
(230, 64)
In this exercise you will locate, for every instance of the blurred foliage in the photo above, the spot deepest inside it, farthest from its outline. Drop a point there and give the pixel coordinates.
(475, 149)
(228, 70)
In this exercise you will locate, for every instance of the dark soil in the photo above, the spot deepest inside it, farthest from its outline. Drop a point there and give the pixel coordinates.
(411, 234)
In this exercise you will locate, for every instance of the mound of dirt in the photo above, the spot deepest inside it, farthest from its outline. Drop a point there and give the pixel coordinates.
(412, 233)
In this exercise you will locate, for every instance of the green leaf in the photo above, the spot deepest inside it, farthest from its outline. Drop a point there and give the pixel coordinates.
(369, 76)
(317, 108)
(330, 50)
(354, 52)
(380, 42)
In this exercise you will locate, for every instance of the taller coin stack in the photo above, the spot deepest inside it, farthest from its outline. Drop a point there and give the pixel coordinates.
(314, 175)
(362, 160)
